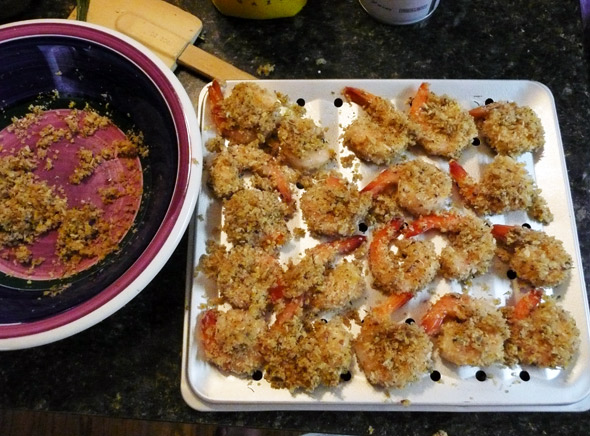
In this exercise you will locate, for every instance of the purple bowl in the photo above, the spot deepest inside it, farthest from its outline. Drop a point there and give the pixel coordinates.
(86, 63)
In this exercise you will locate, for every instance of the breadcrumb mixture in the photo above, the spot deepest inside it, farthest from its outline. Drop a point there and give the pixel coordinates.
(31, 207)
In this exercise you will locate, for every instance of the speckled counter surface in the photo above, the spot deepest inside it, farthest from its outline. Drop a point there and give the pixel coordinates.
(129, 365)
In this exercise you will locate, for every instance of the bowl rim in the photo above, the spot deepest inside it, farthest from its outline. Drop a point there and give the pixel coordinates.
(182, 203)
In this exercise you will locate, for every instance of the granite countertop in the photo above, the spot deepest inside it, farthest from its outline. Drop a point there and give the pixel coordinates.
(129, 365)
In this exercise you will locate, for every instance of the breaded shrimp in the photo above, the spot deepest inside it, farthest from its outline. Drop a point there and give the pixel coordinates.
(303, 354)
(508, 128)
(541, 333)
(333, 206)
(257, 218)
(231, 340)
(471, 245)
(505, 186)
(535, 256)
(246, 277)
(302, 143)
(381, 133)
(250, 114)
(391, 354)
(229, 165)
(443, 127)
(467, 331)
(408, 270)
(323, 284)
(422, 188)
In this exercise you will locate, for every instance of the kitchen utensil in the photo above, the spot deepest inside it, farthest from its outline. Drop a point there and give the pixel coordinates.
(167, 30)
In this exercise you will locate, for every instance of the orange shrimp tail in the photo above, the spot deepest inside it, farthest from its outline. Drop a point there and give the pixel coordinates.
(358, 96)
(429, 222)
(289, 311)
(479, 112)
(385, 178)
(527, 303)
(457, 172)
(282, 184)
(391, 304)
(348, 245)
(419, 99)
(500, 231)
(215, 97)
(206, 326)
(433, 320)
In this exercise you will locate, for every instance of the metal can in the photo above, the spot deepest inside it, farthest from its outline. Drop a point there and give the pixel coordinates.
(400, 11)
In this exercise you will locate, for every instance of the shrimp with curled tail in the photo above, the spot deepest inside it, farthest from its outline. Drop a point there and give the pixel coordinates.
(230, 164)
(508, 128)
(466, 330)
(231, 340)
(541, 333)
(422, 188)
(443, 127)
(505, 186)
(391, 354)
(381, 133)
(249, 115)
(323, 282)
(246, 277)
(302, 353)
(471, 245)
(333, 206)
(535, 256)
(408, 270)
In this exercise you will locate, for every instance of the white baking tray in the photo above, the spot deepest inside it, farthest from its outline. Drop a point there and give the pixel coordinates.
(205, 388)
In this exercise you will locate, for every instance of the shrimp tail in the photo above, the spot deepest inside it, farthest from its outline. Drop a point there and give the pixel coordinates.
(467, 186)
(358, 96)
(419, 99)
(434, 318)
(391, 304)
(500, 231)
(383, 180)
(527, 303)
(215, 97)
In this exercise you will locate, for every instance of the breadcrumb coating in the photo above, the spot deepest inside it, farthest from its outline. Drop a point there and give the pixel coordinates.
(333, 206)
(511, 129)
(548, 337)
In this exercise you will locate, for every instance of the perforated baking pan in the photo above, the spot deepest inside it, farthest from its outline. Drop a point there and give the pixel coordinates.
(448, 387)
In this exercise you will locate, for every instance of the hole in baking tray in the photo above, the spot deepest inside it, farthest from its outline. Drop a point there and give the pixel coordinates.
(489, 100)
(338, 102)
(476, 142)
(526, 225)
(435, 376)
(301, 102)
(410, 321)
(481, 375)
(363, 227)
(257, 375)
(347, 376)
(524, 376)
(299, 185)
(511, 274)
